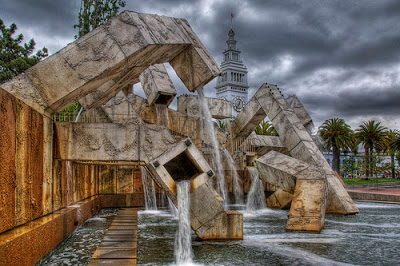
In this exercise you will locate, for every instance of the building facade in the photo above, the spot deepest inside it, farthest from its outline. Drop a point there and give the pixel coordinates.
(232, 84)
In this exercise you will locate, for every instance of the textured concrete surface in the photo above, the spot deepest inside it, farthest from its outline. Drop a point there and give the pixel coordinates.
(207, 216)
(269, 101)
(305, 182)
(190, 105)
(157, 85)
(114, 55)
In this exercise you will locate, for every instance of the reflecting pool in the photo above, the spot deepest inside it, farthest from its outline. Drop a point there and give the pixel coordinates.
(369, 238)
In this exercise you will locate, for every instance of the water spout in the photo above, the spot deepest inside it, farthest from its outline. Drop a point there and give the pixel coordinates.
(236, 182)
(209, 128)
(183, 239)
(150, 201)
(255, 197)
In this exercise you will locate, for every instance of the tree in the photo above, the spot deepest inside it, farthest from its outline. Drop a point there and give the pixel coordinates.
(14, 58)
(93, 13)
(266, 128)
(371, 134)
(390, 147)
(338, 136)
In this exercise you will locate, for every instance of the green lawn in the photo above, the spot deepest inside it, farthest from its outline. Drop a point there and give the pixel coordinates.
(357, 181)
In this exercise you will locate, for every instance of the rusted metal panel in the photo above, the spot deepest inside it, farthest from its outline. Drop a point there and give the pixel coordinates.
(7, 159)
(125, 179)
(57, 185)
(137, 181)
(36, 164)
(23, 179)
(47, 165)
(107, 179)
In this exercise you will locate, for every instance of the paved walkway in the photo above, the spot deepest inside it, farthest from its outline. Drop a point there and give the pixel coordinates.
(119, 244)
(381, 190)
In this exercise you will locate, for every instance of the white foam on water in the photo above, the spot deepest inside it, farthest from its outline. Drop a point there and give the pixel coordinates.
(255, 197)
(384, 225)
(97, 219)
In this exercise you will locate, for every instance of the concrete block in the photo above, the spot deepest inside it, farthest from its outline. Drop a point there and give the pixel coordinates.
(228, 225)
(97, 141)
(301, 112)
(157, 85)
(190, 105)
(307, 212)
(279, 199)
(264, 144)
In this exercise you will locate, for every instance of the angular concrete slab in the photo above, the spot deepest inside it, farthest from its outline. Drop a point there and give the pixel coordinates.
(264, 144)
(118, 51)
(208, 218)
(157, 85)
(307, 212)
(307, 183)
(269, 101)
(301, 112)
(190, 105)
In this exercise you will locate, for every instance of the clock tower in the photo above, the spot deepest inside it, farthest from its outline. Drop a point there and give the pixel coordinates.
(232, 83)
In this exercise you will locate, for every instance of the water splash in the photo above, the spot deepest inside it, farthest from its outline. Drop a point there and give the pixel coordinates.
(236, 182)
(255, 197)
(209, 128)
(183, 239)
(162, 115)
(149, 190)
(172, 208)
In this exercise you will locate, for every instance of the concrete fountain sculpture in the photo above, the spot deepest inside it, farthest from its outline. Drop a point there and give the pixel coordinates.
(119, 129)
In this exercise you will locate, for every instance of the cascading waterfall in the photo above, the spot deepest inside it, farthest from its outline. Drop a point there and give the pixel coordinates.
(236, 182)
(255, 197)
(162, 115)
(183, 239)
(209, 126)
(69, 178)
(149, 190)
(172, 208)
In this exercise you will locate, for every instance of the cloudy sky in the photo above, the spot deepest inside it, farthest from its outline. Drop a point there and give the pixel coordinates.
(341, 58)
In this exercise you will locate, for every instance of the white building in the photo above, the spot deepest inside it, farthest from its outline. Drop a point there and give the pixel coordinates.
(232, 84)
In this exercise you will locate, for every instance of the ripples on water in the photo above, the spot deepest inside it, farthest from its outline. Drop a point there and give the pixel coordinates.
(369, 238)
(80, 246)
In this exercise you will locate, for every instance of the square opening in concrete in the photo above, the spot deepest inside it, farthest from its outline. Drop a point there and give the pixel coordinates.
(183, 167)
(165, 99)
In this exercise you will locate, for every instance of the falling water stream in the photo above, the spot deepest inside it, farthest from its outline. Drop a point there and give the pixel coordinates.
(149, 190)
(236, 182)
(183, 238)
(209, 128)
(255, 197)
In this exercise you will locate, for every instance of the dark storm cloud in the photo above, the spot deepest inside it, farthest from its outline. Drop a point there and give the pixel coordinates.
(341, 58)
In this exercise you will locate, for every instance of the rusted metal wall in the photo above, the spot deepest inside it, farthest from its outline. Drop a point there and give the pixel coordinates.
(21, 162)
(7, 161)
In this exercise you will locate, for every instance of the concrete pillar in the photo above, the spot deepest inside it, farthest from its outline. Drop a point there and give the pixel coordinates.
(209, 220)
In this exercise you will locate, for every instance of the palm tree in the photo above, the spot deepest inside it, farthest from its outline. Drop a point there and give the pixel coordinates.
(266, 128)
(338, 136)
(371, 134)
(221, 124)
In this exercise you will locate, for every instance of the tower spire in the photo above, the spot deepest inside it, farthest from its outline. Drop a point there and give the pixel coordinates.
(232, 16)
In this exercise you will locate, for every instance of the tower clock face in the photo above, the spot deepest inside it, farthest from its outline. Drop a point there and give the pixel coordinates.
(238, 104)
